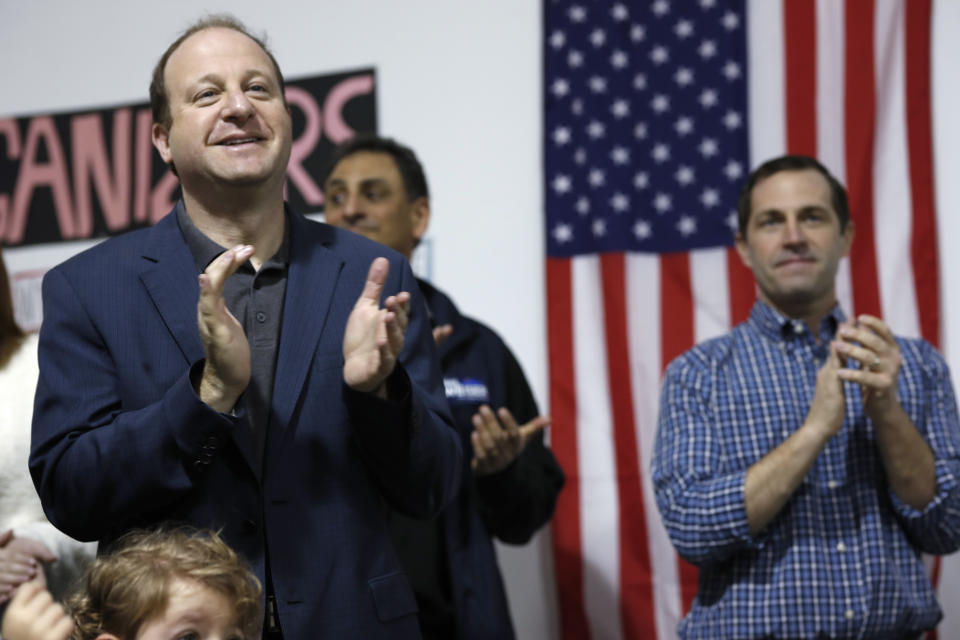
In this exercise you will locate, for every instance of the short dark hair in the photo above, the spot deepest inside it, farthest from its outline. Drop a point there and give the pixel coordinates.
(838, 195)
(411, 171)
(160, 101)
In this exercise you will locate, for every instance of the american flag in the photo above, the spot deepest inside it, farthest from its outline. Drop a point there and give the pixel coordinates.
(655, 112)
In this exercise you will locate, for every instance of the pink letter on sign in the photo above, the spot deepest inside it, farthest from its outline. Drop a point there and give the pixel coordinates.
(90, 160)
(337, 129)
(33, 174)
(303, 146)
(143, 158)
(9, 130)
(161, 198)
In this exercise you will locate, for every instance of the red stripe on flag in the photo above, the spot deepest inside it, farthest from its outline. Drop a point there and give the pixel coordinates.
(636, 586)
(860, 115)
(568, 557)
(800, 60)
(677, 335)
(743, 289)
(923, 244)
(676, 306)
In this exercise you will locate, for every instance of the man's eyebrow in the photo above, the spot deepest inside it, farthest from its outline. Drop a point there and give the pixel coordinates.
(259, 73)
(335, 182)
(768, 211)
(210, 77)
(215, 78)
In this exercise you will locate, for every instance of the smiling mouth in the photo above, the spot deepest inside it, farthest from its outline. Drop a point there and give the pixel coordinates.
(795, 261)
(238, 141)
(359, 226)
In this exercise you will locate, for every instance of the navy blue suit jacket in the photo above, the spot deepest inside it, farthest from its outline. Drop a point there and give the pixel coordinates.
(121, 440)
(511, 505)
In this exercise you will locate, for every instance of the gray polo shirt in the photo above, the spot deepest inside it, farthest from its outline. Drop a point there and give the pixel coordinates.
(255, 298)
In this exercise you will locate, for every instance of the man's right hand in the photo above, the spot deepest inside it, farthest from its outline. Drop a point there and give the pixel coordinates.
(829, 403)
(226, 372)
(772, 480)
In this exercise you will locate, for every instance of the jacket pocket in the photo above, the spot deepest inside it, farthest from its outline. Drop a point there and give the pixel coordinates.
(392, 596)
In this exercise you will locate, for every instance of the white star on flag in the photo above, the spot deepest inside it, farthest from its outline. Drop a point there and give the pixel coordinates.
(662, 202)
(642, 229)
(687, 225)
(562, 184)
(620, 202)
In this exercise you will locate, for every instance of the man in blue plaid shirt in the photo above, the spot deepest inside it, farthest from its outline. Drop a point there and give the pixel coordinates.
(805, 460)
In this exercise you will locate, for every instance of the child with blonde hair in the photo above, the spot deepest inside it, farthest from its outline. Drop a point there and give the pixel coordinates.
(160, 585)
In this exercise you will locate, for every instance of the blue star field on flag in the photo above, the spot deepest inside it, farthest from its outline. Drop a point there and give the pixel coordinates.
(646, 142)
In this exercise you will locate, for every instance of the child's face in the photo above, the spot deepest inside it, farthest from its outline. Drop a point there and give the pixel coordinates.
(194, 612)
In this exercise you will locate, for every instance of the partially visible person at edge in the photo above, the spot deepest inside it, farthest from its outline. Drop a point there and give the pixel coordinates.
(152, 585)
(30, 547)
(806, 460)
(241, 368)
(377, 188)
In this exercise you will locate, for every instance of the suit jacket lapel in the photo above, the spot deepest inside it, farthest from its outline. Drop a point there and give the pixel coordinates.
(311, 282)
(169, 274)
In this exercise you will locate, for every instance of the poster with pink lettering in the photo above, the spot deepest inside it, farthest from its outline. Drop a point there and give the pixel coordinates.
(69, 180)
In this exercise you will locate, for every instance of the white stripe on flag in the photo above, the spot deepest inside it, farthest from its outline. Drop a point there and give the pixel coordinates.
(643, 309)
(599, 503)
(831, 150)
(765, 70)
(830, 86)
(891, 175)
(948, 593)
(711, 293)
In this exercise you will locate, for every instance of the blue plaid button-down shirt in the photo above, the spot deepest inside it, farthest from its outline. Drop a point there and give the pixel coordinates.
(842, 559)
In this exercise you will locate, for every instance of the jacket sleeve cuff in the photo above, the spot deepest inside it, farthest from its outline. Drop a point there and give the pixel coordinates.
(379, 418)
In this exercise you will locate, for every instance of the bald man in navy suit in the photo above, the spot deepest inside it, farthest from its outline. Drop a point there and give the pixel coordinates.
(240, 367)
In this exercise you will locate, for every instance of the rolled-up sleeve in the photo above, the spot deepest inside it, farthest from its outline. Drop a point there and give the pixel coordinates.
(935, 528)
(702, 504)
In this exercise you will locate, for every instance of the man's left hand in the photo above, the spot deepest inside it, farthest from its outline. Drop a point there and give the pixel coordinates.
(374, 335)
(871, 343)
(497, 443)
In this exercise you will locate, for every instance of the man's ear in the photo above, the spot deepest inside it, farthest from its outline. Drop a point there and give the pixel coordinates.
(420, 217)
(848, 238)
(161, 140)
(741, 243)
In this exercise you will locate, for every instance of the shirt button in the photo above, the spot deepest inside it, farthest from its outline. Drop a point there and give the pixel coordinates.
(841, 547)
(848, 614)
(833, 484)
(261, 316)
(797, 327)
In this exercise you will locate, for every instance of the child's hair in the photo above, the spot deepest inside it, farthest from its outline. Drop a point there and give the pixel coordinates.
(131, 584)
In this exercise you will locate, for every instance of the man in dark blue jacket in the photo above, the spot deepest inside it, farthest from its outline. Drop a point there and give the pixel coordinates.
(377, 187)
(234, 367)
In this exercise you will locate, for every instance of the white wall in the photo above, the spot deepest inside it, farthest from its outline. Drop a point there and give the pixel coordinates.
(458, 81)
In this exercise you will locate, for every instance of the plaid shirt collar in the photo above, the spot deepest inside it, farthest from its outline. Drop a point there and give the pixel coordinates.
(772, 324)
